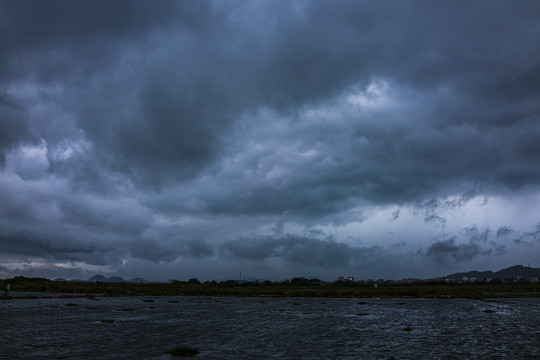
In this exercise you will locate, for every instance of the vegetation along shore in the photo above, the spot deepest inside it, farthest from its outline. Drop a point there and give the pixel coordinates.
(297, 287)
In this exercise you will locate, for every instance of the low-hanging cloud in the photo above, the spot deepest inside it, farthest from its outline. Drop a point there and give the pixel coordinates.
(298, 250)
(449, 251)
(504, 231)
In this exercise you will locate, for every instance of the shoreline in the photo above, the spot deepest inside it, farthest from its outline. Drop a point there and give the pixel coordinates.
(404, 292)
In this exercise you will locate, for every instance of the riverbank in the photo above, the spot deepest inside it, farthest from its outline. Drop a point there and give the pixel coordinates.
(466, 291)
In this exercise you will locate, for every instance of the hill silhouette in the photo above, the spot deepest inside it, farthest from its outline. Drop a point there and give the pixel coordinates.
(101, 278)
(512, 272)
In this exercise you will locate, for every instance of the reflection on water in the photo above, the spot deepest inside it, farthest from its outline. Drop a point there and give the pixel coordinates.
(268, 328)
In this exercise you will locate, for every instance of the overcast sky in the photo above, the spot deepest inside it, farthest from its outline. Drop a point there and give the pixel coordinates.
(179, 139)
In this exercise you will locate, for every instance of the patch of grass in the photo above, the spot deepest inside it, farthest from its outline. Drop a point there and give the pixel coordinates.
(182, 350)
(278, 289)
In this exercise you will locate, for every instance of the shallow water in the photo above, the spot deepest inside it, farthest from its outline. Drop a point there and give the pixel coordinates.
(269, 328)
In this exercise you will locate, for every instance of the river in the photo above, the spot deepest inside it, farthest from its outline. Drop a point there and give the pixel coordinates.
(269, 328)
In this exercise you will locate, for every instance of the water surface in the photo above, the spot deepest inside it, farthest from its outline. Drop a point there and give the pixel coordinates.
(269, 328)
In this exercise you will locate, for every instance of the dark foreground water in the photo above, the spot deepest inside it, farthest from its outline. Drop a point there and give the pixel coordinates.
(268, 328)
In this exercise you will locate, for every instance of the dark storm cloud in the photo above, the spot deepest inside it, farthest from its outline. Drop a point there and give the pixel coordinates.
(529, 238)
(504, 231)
(82, 45)
(451, 250)
(536, 233)
(62, 34)
(448, 251)
(184, 72)
(8, 102)
(475, 235)
(13, 126)
(298, 250)
(58, 246)
(157, 249)
(118, 118)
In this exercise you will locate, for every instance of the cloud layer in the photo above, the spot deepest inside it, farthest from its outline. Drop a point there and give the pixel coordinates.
(276, 138)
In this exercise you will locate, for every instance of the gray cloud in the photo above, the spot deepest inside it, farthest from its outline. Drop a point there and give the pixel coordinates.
(76, 30)
(134, 130)
(13, 127)
(447, 251)
(477, 236)
(530, 237)
(451, 251)
(191, 94)
(504, 231)
(310, 252)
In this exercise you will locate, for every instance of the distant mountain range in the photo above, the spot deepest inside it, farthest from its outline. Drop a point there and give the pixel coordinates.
(112, 279)
(512, 272)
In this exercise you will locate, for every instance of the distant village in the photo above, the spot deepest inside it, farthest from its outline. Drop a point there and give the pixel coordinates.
(350, 280)
(515, 274)
(437, 280)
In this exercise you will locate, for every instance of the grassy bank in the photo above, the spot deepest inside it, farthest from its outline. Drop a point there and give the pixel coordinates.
(229, 288)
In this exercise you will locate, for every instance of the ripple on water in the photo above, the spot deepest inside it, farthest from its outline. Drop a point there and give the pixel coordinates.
(251, 328)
